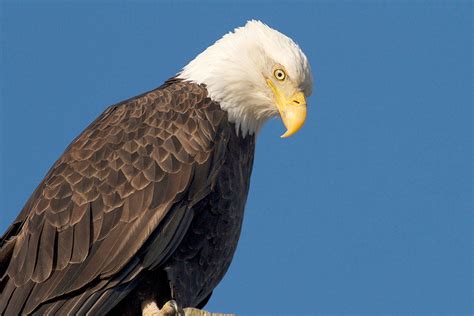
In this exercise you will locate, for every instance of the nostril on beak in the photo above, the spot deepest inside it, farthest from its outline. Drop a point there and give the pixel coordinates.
(296, 101)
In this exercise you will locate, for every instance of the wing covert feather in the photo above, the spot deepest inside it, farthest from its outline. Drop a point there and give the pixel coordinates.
(110, 191)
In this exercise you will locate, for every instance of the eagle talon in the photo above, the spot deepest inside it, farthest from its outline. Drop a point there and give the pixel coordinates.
(171, 308)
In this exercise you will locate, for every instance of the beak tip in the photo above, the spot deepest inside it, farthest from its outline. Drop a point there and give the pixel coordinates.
(287, 134)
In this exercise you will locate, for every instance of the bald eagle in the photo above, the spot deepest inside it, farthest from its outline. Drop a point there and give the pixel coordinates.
(145, 207)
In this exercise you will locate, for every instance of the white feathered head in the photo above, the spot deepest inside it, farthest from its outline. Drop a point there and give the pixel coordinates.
(255, 73)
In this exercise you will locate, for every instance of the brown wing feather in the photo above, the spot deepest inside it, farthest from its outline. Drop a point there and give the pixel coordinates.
(108, 193)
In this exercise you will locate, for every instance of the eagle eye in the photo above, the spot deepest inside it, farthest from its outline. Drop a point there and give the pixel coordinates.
(279, 74)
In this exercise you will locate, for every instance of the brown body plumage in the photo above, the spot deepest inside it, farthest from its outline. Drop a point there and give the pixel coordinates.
(146, 203)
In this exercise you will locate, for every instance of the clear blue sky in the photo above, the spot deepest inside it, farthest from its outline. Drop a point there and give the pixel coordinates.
(367, 210)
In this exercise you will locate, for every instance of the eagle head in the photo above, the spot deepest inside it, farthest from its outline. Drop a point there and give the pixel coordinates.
(255, 73)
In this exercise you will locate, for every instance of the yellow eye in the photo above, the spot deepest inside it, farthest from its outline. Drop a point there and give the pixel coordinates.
(279, 74)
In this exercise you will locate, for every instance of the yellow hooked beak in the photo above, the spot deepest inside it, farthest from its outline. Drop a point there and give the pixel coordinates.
(292, 109)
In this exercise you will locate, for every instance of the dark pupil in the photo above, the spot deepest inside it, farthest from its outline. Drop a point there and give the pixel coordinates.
(279, 74)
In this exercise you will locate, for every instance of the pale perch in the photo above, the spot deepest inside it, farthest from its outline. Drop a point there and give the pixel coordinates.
(149, 308)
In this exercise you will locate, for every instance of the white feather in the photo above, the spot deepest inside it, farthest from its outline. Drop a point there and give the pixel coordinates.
(234, 70)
